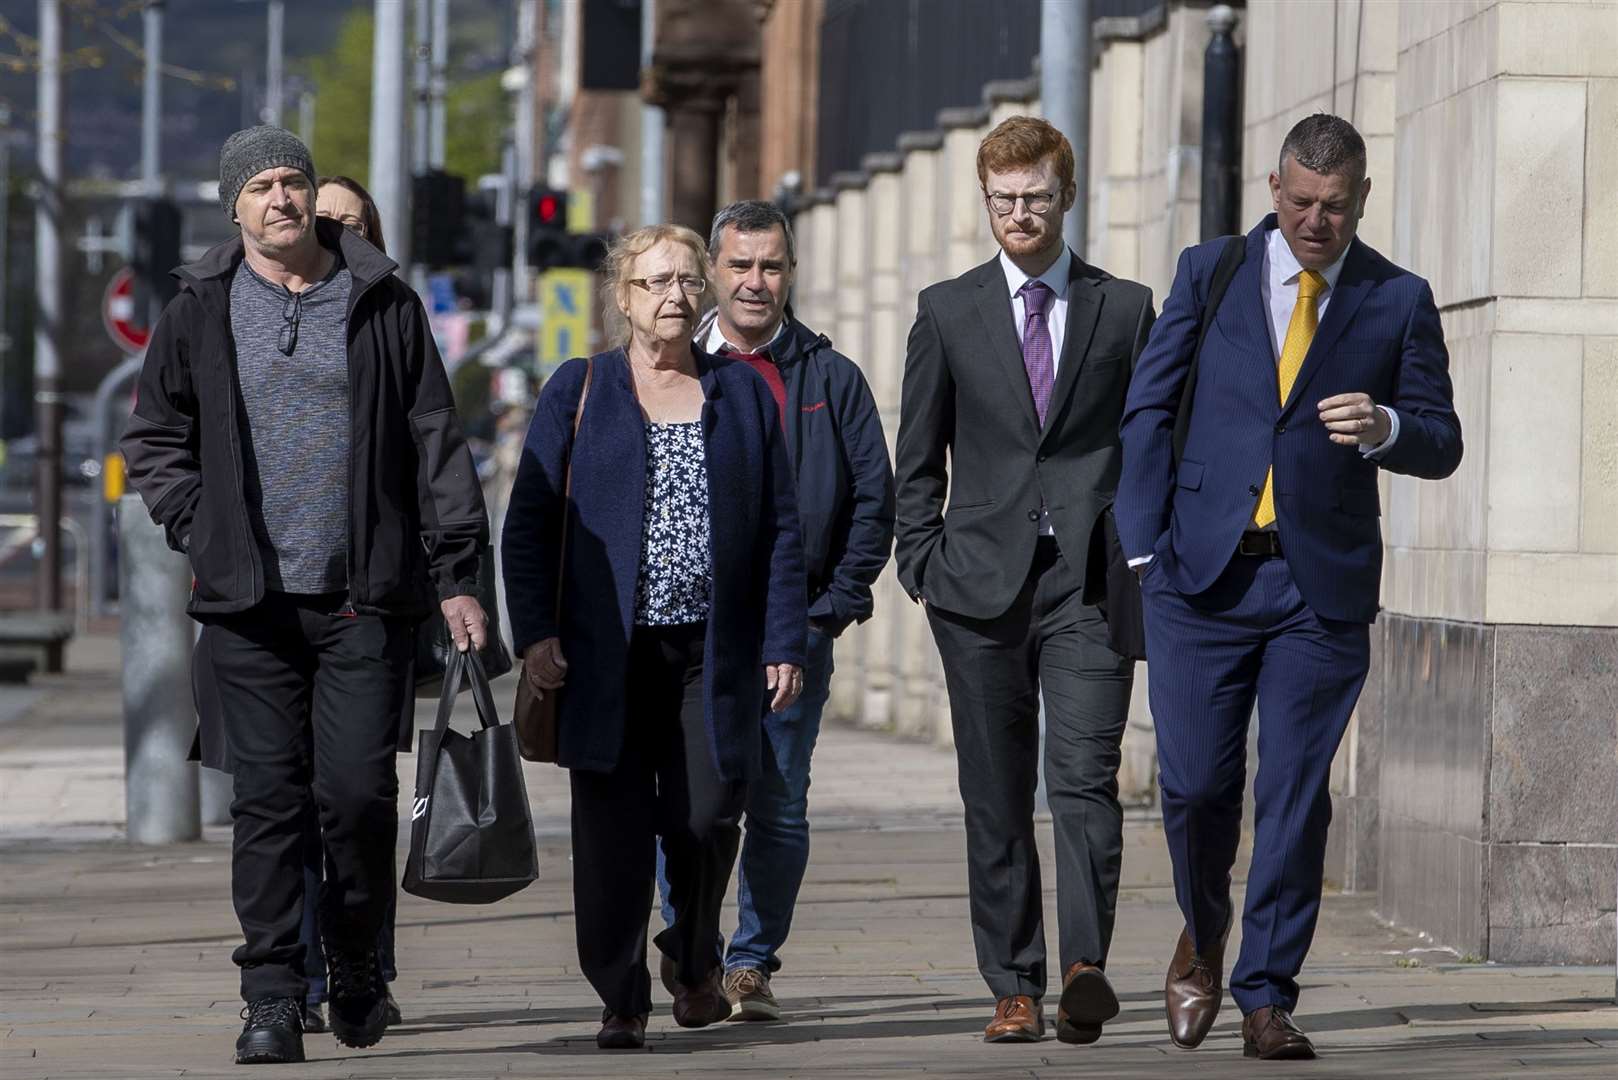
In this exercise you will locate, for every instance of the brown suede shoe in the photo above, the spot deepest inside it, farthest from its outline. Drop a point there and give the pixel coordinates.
(1194, 990)
(1088, 1002)
(1016, 1019)
(703, 1004)
(1270, 1034)
(622, 1032)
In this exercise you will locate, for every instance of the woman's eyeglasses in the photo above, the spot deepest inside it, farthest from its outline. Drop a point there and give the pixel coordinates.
(660, 285)
(349, 222)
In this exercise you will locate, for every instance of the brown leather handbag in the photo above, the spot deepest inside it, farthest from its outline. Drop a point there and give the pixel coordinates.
(535, 713)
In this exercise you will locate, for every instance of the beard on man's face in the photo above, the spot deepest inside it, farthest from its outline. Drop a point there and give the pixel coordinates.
(1027, 237)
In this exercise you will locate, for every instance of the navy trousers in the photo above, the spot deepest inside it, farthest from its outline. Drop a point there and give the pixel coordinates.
(1249, 635)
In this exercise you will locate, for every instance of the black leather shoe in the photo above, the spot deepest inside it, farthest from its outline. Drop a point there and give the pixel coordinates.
(357, 1001)
(392, 1009)
(273, 1032)
(665, 974)
(622, 1032)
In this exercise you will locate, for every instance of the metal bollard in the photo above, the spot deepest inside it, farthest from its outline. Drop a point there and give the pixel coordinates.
(161, 798)
(218, 790)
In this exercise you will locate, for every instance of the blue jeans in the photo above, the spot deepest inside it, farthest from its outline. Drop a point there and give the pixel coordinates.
(314, 954)
(775, 845)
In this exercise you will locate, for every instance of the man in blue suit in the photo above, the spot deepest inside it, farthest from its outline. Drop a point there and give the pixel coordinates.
(1260, 553)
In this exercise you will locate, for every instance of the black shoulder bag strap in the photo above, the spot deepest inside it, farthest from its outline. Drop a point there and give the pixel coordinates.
(1230, 259)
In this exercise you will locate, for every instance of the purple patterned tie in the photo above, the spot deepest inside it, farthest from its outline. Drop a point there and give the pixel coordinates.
(1037, 355)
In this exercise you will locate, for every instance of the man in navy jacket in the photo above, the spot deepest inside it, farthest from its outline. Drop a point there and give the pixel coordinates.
(845, 508)
(1260, 553)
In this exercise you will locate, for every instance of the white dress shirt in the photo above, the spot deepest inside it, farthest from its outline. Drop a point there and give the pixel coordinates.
(1055, 278)
(714, 342)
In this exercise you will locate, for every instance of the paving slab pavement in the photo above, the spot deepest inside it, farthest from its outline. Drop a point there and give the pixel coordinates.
(115, 961)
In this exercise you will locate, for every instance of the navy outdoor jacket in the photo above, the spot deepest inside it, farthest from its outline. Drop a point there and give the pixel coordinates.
(844, 476)
(758, 601)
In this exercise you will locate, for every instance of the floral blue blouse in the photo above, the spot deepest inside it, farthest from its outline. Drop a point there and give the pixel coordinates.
(676, 560)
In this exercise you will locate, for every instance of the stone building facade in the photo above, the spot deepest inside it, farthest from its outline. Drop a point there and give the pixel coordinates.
(1477, 790)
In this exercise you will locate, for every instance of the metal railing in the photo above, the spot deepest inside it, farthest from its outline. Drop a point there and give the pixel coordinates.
(29, 523)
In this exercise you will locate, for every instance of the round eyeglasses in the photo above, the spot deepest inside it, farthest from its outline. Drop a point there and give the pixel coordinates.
(1037, 202)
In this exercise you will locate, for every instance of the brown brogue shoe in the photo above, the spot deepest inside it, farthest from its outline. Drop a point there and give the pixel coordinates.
(1016, 1019)
(1270, 1034)
(622, 1032)
(1088, 1001)
(1194, 989)
(703, 1004)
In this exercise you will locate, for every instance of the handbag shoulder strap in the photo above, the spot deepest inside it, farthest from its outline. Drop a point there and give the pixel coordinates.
(1230, 260)
(567, 482)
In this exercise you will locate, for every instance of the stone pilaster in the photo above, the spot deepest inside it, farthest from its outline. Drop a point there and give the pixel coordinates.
(962, 217)
(883, 365)
(851, 334)
(918, 712)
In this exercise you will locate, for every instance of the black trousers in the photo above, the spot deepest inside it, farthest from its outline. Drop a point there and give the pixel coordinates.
(310, 701)
(665, 784)
(994, 671)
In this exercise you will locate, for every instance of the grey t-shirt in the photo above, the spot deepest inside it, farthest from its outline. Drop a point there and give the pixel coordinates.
(296, 446)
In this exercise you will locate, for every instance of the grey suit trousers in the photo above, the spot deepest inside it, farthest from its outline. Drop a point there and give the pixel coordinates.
(1049, 641)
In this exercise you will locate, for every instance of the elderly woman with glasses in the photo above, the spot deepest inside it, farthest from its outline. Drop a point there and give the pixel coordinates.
(682, 612)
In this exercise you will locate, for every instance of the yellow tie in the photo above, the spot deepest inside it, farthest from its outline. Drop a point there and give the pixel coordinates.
(1300, 332)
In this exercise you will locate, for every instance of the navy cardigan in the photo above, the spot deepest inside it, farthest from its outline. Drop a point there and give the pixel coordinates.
(758, 604)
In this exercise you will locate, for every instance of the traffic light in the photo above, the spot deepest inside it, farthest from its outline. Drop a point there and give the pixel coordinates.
(550, 245)
(156, 252)
(588, 250)
(437, 216)
(483, 247)
(547, 227)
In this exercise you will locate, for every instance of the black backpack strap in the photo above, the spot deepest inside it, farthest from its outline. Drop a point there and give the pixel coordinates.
(1230, 260)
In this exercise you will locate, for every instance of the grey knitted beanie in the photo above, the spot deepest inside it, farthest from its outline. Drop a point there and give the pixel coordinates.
(252, 150)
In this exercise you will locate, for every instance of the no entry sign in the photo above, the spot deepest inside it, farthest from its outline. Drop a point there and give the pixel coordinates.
(118, 313)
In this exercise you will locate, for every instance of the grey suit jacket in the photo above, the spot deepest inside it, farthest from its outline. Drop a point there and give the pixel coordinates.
(967, 427)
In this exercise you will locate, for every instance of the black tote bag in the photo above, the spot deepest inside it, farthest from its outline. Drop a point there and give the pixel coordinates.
(471, 833)
(434, 646)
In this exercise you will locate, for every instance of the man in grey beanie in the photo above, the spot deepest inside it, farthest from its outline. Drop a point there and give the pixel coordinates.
(254, 150)
(295, 436)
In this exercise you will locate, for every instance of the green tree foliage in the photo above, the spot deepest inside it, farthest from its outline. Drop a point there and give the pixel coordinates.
(476, 113)
(342, 78)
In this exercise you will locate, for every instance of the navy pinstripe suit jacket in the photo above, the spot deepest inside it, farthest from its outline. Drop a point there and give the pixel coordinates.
(1380, 335)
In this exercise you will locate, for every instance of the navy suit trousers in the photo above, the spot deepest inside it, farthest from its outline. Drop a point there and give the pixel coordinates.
(1250, 636)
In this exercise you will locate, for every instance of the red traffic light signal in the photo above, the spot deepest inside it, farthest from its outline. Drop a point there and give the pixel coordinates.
(549, 208)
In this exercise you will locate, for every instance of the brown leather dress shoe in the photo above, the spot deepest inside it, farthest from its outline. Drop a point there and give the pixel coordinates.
(621, 1032)
(1088, 1002)
(1016, 1019)
(703, 1004)
(1194, 990)
(1270, 1034)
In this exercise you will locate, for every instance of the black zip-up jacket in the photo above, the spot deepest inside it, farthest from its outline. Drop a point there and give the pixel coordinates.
(840, 460)
(416, 517)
